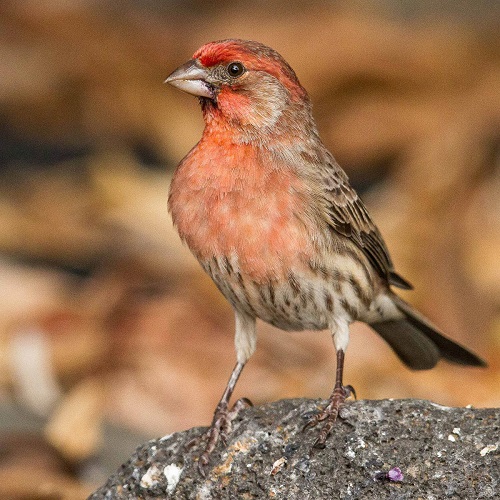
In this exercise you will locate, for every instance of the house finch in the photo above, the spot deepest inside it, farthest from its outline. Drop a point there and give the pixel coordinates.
(273, 220)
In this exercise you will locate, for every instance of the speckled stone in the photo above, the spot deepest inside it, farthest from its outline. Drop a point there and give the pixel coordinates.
(442, 453)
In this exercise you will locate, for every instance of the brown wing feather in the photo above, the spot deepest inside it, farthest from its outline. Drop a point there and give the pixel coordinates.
(349, 217)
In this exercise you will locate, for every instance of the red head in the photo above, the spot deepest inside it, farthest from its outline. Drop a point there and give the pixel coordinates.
(254, 57)
(244, 83)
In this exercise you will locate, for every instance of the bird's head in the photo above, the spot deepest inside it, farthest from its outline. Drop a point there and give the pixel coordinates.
(245, 85)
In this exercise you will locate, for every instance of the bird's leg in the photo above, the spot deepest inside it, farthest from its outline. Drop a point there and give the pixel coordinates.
(340, 392)
(223, 416)
(245, 342)
(331, 411)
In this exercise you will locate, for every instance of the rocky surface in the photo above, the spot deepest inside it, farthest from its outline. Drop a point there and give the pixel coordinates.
(442, 453)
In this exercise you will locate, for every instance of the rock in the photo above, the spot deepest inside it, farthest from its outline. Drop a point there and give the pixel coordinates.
(441, 452)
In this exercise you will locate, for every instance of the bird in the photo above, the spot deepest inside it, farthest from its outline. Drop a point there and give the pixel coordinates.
(272, 218)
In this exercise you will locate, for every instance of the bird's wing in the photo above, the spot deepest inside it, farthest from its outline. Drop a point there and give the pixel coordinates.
(349, 217)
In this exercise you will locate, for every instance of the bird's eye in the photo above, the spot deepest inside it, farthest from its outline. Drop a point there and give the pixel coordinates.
(235, 69)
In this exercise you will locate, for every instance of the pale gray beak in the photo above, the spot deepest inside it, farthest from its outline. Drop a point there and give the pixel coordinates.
(191, 78)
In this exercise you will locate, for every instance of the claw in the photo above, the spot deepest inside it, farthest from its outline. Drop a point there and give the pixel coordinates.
(329, 414)
(219, 431)
(325, 430)
(319, 444)
(224, 437)
(202, 464)
(195, 441)
(350, 391)
(241, 404)
(309, 425)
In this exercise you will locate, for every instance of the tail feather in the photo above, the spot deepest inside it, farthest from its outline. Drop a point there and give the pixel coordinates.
(413, 348)
(418, 343)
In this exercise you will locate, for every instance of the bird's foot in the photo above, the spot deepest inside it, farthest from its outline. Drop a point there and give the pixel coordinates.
(220, 429)
(329, 414)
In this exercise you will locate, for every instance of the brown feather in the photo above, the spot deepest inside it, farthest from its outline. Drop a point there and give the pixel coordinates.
(350, 218)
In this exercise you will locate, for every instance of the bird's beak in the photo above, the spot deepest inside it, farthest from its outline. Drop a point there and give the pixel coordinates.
(191, 78)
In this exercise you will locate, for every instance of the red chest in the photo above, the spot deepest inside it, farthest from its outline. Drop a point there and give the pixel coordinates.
(226, 202)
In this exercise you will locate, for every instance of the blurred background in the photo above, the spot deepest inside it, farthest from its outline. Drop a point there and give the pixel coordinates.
(110, 334)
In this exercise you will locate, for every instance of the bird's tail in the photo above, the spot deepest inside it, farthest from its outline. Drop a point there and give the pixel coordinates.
(418, 343)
